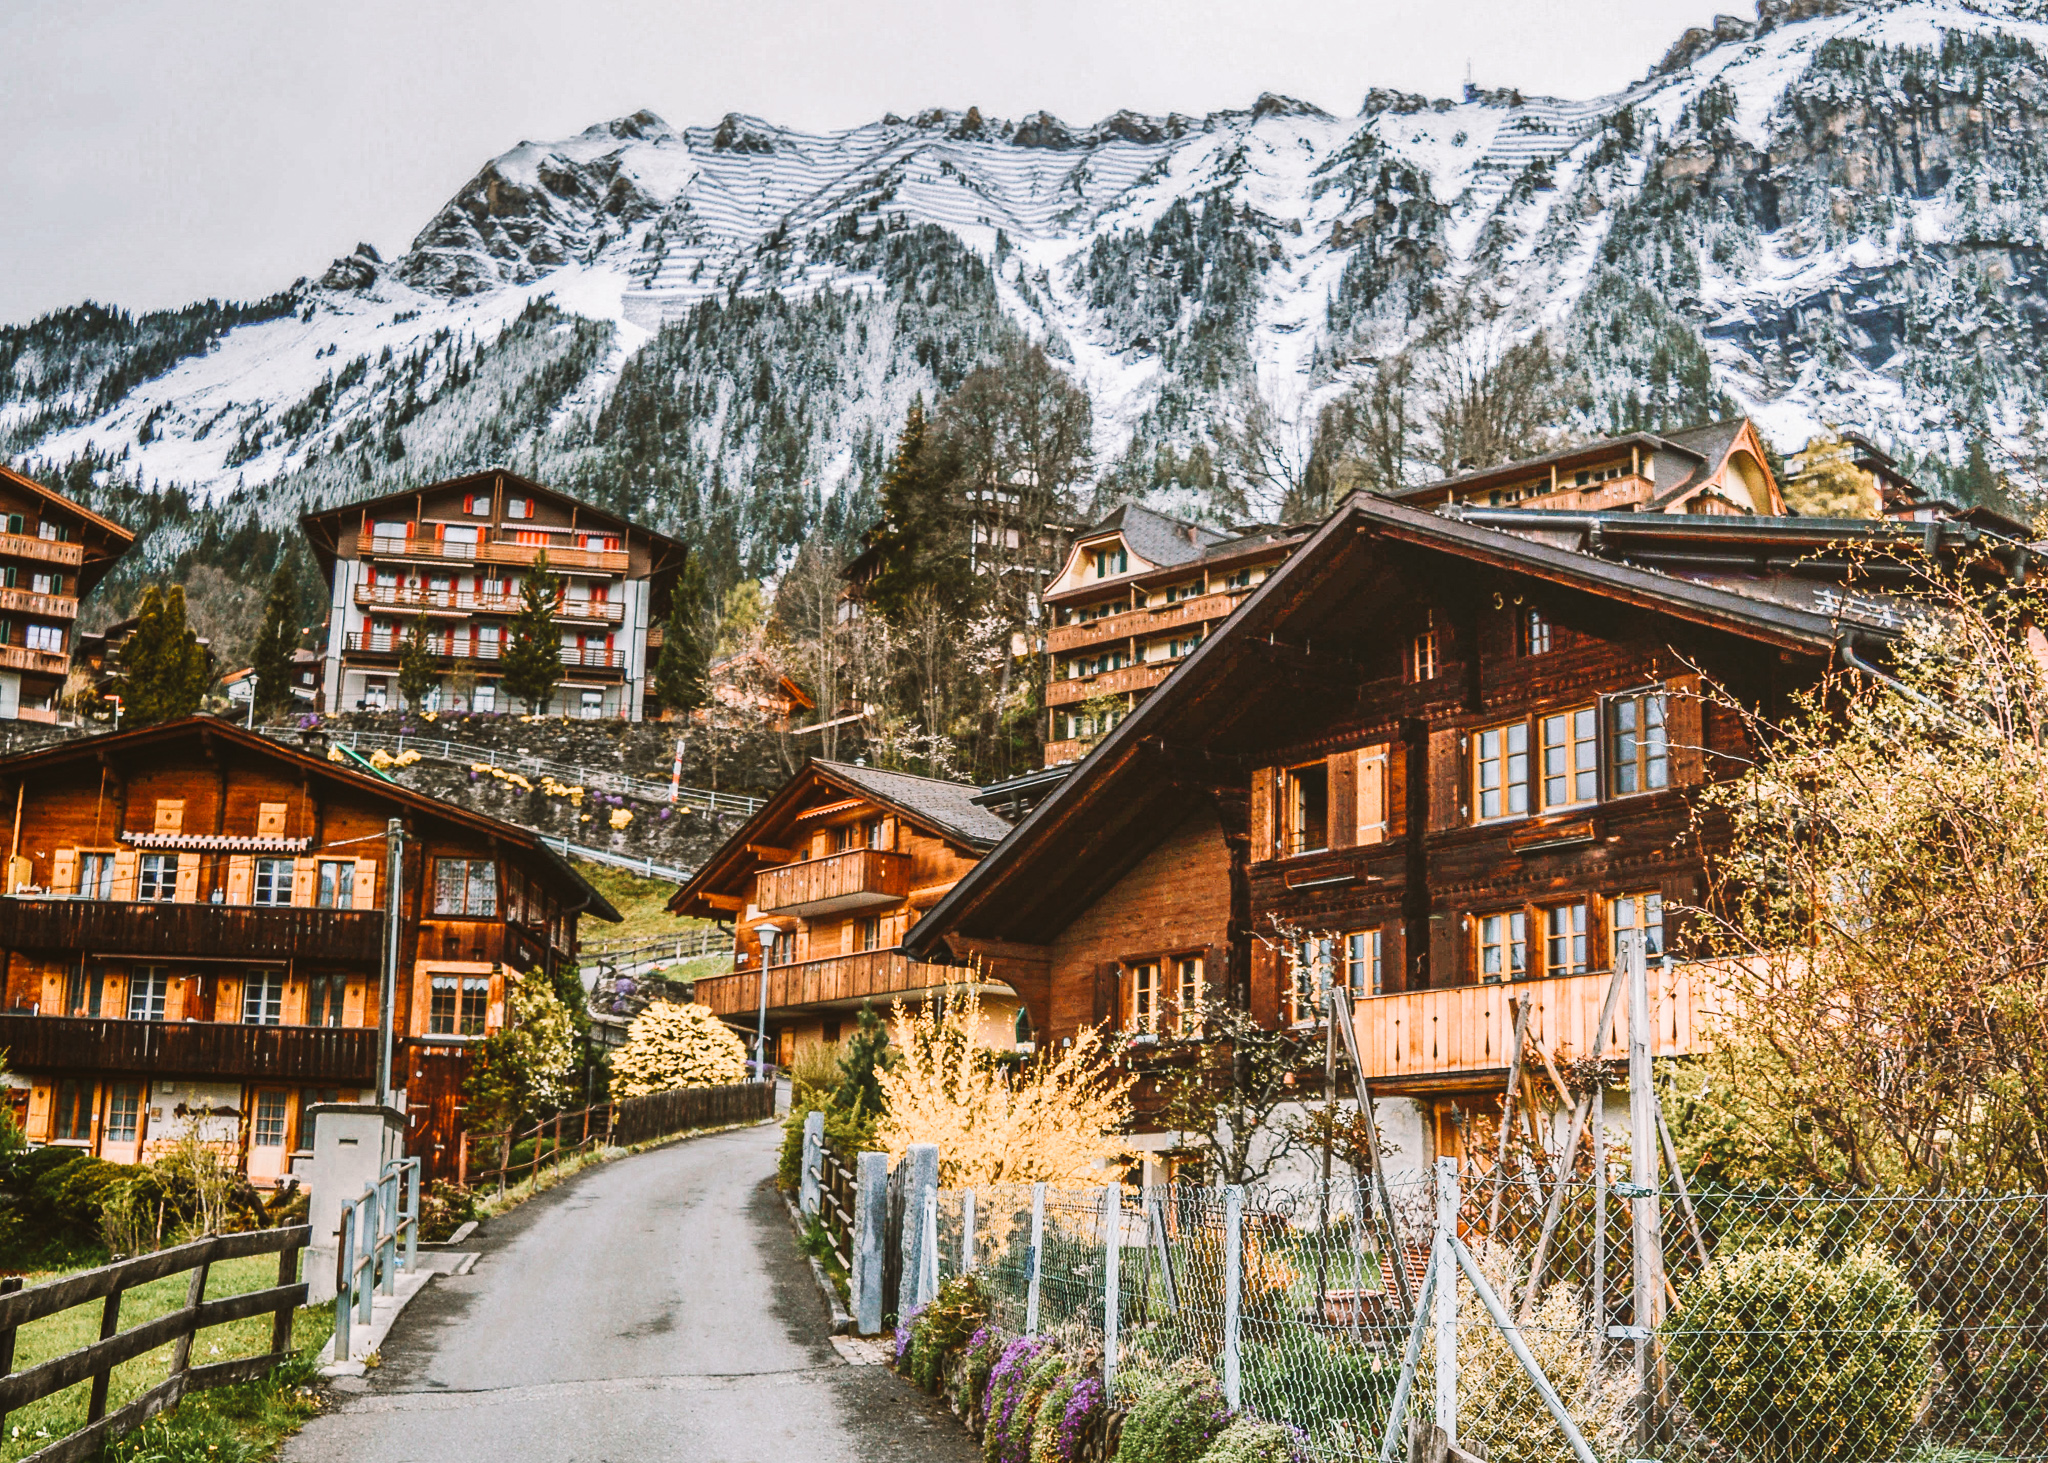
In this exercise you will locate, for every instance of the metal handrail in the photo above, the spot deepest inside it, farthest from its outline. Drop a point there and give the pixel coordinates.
(367, 1261)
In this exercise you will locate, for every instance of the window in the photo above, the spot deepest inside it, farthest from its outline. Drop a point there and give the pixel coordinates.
(519, 507)
(1110, 562)
(1503, 946)
(1571, 759)
(458, 536)
(45, 637)
(869, 935)
(83, 987)
(263, 998)
(146, 993)
(337, 884)
(96, 876)
(1364, 967)
(593, 705)
(1564, 940)
(269, 1131)
(1188, 995)
(1242, 579)
(274, 880)
(1142, 982)
(16, 523)
(456, 1005)
(1637, 758)
(124, 1112)
(1532, 633)
(1421, 661)
(46, 583)
(1630, 913)
(1308, 808)
(486, 698)
(1175, 593)
(74, 1111)
(1308, 977)
(392, 530)
(53, 532)
(466, 886)
(324, 997)
(1500, 771)
(877, 833)
(158, 877)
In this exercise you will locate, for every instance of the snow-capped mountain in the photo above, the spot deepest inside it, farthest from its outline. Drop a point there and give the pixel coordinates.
(1834, 215)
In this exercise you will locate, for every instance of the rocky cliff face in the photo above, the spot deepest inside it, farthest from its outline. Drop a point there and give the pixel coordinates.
(1830, 214)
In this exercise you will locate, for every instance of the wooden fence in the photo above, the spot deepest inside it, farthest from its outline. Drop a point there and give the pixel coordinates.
(836, 1191)
(115, 1346)
(607, 1124)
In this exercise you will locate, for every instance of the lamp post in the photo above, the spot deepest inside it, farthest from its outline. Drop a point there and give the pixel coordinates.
(394, 873)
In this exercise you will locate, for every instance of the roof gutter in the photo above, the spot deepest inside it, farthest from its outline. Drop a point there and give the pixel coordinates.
(1847, 651)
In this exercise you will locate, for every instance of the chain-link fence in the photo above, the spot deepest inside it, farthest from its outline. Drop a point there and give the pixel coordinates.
(1583, 1320)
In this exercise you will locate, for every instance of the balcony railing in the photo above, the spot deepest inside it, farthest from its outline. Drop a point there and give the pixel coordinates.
(1125, 678)
(49, 606)
(1194, 611)
(833, 980)
(48, 550)
(856, 879)
(560, 556)
(312, 1055)
(457, 601)
(42, 662)
(168, 931)
(1469, 1030)
(469, 647)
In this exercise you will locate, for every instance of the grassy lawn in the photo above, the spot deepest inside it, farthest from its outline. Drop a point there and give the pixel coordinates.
(225, 1425)
(641, 901)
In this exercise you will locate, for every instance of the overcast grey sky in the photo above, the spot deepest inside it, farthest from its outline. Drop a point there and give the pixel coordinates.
(153, 152)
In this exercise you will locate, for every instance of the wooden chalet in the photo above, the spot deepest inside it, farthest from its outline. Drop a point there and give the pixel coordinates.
(193, 933)
(1443, 758)
(823, 884)
(52, 551)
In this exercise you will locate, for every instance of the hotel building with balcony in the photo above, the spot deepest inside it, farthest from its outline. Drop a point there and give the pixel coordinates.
(457, 554)
(52, 551)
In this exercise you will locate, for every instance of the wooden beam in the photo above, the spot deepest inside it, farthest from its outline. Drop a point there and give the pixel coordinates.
(771, 852)
(731, 902)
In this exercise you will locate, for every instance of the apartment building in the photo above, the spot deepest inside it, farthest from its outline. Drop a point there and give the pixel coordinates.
(193, 937)
(52, 551)
(457, 554)
(1136, 594)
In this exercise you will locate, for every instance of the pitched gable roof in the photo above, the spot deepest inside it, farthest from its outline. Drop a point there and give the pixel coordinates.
(947, 806)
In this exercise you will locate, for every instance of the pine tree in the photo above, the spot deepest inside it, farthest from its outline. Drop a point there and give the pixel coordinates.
(533, 660)
(275, 642)
(417, 676)
(167, 673)
(919, 546)
(680, 674)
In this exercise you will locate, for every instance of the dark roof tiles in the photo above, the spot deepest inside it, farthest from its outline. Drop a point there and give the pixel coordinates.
(947, 806)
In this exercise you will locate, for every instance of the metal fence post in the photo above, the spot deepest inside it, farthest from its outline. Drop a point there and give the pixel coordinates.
(366, 1249)
(1647, 1229)
(387, 1233)
(1446, 1298)
(1112, 1265)
(920, 1170)
(1031, 1259)
(967, 1231)
(344, 1272)
(870, 1219)
(1233, 1287)
(814, 1142)
(412, 1215)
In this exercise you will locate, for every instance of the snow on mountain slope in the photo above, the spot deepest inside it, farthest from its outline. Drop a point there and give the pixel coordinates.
(1842, 207)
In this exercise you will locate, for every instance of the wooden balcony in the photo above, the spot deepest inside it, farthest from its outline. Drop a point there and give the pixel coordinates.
(312, 1055)
(1435, 1036)
(49, 606)
(560, 556)
(1126, 678)
(857, 879)
(836, 980)
(470, 647)
(169, 931)
(39, 662)
(43, 550)
(1199, 610)
(463, 602)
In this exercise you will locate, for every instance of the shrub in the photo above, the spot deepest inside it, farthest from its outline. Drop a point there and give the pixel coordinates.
(1015, 1384)
(1795, 1359)
(1249, 1440)
(1046, 1418)
(1174, 1420)
(943, 1327)
(1328, 1384)
(2012, 1394)
(670, 1046)
(984, 1349)
(445, 1208)
(1079, 1417)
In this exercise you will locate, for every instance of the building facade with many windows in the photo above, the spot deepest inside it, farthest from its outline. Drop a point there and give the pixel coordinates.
(193, 935)
(454, 557)
(52, 551)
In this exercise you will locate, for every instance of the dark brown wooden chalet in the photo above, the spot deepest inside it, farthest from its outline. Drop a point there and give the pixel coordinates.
(823, 883)
(52, 551)
(193, 932)
(1451, 757)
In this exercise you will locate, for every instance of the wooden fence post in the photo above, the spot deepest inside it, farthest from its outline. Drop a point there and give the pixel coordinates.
(110, 1323)
(7, 1287)
(181, 1355)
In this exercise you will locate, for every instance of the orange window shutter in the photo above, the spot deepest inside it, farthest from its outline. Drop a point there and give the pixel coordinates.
(366, 883)
(1446, 780)
(1262, 815)
(1685, 730)
(187, 891)
(241, 870)
(270, 820)
(1372, 795)
(170, 815)
(124, 874)
(305, 874)
(1342, 772)
(64, 871)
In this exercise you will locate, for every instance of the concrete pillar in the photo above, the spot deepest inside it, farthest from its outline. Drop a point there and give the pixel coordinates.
(870, 1220)
(921, 1177)
(814, 1144)
(350, 1143)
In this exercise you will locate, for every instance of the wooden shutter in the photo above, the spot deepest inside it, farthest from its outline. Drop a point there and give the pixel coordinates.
(305, 888)
(39, 1109)
(1343, 795)
(366, 884)
(1446, 780)
(1684, 730)
(270, 820)
(352, 1000)
(170, 815)
(53, 993)
(1262, 815)
(124, 874)
(187, 891)
(1106, 975)
(1397, 790)
(64, 871)
(1446, 950)
(227, 1000)
(241, 869)
(1371, 799)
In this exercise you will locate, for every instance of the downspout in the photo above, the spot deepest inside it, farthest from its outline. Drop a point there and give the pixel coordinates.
(1846, 648)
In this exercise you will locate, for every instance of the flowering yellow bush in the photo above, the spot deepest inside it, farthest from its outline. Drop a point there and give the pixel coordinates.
(620, 817)
(670, 1046)
(1058, 1120)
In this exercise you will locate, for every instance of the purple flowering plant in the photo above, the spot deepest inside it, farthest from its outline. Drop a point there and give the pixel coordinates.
(1082, 1415)
(1008, 1439)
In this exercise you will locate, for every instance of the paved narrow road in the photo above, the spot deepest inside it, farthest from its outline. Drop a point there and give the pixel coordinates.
(655, 1308)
